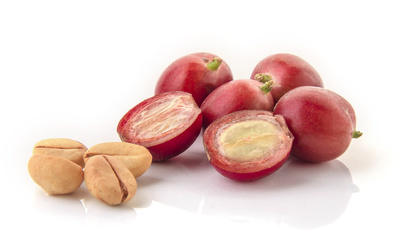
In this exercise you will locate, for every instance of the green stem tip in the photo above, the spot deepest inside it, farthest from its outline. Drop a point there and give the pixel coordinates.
(357, 134)
(267, 80)
(264, 78)
(214, 63)
(266, 88)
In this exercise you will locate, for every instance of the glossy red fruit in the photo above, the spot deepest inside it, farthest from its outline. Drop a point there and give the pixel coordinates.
(287, 72)
(322, 122)
(166, 124)
(237, 95)
(248, 145)
(198, 74)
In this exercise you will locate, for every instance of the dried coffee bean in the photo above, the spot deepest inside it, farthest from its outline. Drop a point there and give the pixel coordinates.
(109, 180)
(56, 175)
(62, 147)
(135, 157)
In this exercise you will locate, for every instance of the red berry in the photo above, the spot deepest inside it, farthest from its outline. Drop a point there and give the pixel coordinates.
(322, 122)
(248, 145)
(198, 74)
(166, 124)
(287, 72)
(237, 95)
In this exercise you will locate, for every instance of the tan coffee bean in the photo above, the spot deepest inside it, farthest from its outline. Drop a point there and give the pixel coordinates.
(108, 179)
(62, 147)
(136, 158)
(56, 175)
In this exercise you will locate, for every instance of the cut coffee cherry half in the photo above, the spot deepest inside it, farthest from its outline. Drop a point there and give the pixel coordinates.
(248, 145)
(166, 124)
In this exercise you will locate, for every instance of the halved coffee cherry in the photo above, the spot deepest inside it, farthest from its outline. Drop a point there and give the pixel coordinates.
(248, 145)
(166, 124)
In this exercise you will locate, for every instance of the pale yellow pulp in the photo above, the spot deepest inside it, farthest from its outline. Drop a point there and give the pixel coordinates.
(249, 140)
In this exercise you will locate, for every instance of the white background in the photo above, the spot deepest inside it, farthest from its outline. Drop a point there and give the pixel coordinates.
(73, 68)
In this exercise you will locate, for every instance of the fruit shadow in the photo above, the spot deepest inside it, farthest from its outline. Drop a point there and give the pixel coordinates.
(302, 195)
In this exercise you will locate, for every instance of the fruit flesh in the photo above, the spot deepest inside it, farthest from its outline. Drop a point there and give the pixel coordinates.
(249, 140)
(178, 144)
(166, 124)
(162, 118)
(226, 139)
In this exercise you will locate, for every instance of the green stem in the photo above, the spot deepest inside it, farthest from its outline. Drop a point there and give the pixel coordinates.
(267, 80)
(264, 78)
(267, 86)
(357, 134)
(214, 63)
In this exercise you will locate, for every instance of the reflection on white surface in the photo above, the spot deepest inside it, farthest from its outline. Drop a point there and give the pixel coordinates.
(58, 209)
(98, 214)
(300, 194)
(80, 209)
